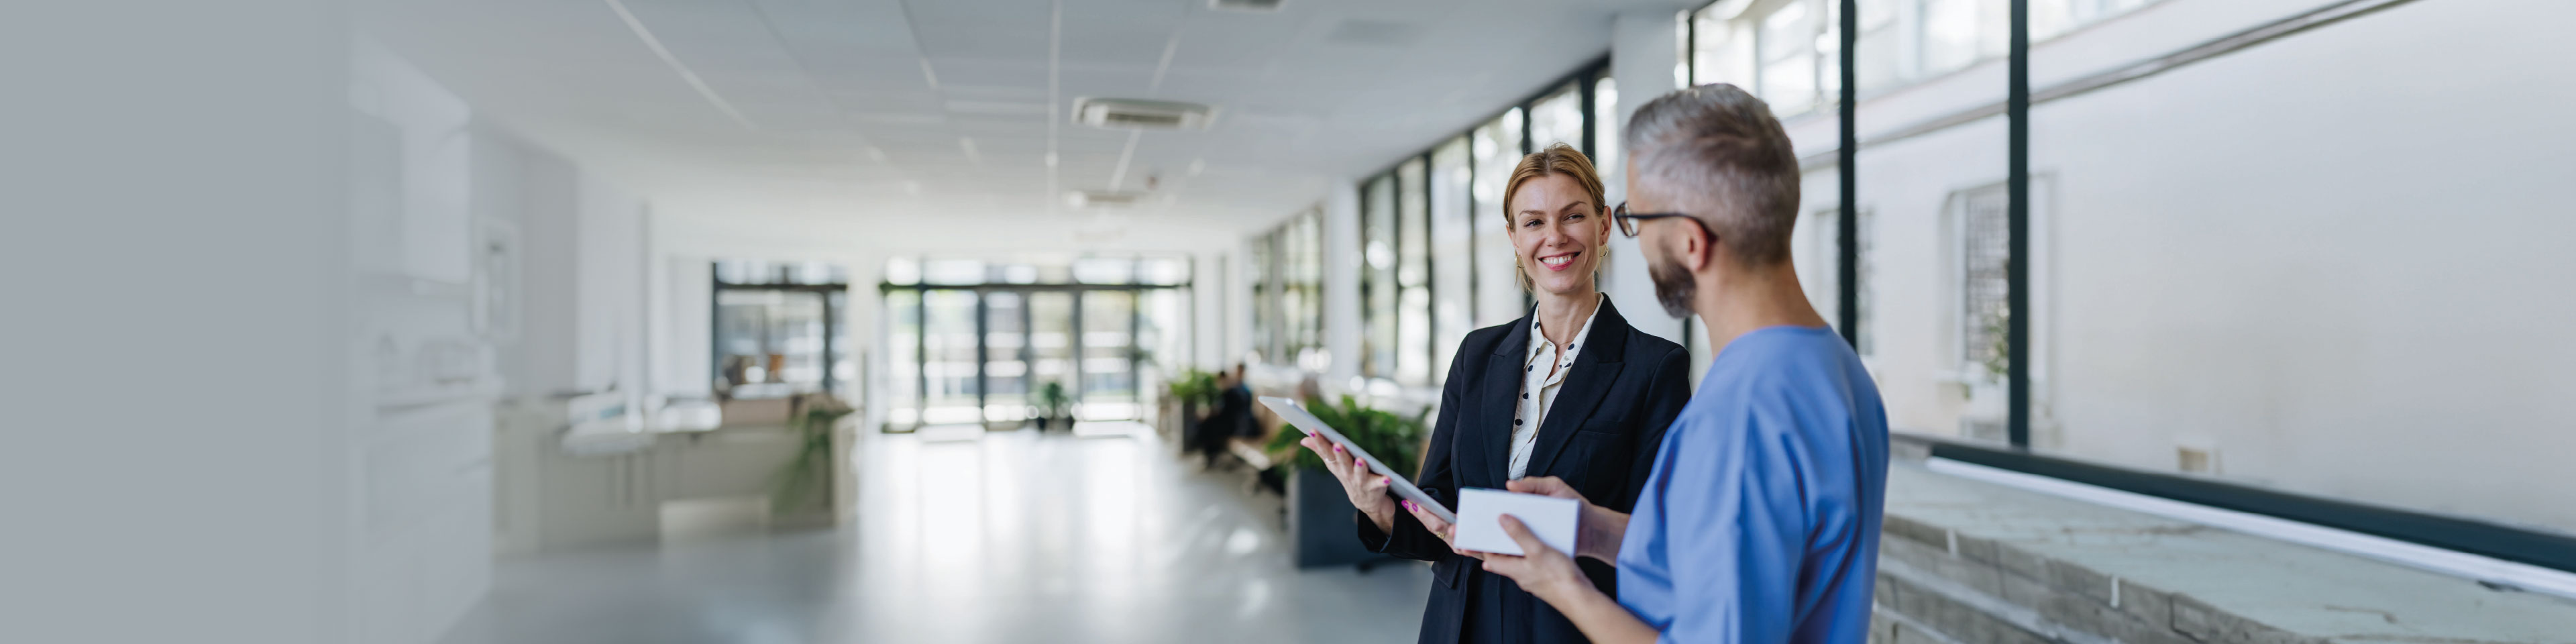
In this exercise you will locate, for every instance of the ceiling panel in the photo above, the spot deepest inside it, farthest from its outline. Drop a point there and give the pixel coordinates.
(1319, 89)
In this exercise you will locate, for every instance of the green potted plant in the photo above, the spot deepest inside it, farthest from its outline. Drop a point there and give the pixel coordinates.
(1189, 393)
(812, 417)
(1054, 406)
(1321, 519)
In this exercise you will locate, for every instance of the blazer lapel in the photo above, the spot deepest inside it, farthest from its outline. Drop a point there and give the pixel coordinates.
(1596, 367)
(1502, 387)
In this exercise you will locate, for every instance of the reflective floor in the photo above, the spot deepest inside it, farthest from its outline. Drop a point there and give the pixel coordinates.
(1001, 537)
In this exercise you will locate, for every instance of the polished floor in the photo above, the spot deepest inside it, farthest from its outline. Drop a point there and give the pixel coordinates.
(973, 537)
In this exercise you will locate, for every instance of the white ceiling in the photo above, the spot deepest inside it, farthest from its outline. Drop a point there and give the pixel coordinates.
(847, 110)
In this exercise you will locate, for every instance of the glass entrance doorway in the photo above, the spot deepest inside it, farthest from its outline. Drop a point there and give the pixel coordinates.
(964, 354)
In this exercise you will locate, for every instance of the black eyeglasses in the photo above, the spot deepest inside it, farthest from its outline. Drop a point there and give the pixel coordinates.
(1628, 220)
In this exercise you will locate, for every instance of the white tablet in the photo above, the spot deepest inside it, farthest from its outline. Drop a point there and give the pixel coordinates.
(1297, 416)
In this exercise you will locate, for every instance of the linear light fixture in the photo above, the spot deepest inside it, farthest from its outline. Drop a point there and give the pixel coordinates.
(655, 44)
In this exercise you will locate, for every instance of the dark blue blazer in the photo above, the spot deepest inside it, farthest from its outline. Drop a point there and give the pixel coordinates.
(1600, 437)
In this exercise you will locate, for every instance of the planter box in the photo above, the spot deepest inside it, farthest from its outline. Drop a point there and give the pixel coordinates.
(1322, 524)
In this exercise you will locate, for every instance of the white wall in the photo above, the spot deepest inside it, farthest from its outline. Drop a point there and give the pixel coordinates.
(177, 252)
(2333, 258)
(420, 549)
(608, 299)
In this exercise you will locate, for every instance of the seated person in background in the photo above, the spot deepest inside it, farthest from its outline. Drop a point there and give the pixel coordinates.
(1760, 520)
(1233, 416)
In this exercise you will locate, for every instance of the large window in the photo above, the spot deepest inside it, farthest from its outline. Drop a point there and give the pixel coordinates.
(1496, 146)
(1378, 289)
(1287, 292)
(1786, 45)
(1412, 276)
(1984, 260)
(1452, 231)
(1558, 118)
(1787, 51)
(780, 329)
(1605, 138)
(972, 341)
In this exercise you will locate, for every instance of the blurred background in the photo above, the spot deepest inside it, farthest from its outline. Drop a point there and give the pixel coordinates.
(464, 321)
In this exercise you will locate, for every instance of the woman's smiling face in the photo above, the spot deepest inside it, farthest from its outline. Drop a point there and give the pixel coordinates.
(1558, 233)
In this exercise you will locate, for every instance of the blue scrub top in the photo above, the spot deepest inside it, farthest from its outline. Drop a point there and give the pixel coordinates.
(1760, 521)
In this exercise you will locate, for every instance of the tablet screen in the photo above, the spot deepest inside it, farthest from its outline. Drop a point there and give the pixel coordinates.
(1307, 422)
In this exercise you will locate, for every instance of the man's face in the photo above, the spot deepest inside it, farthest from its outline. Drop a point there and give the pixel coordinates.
(1674, 284)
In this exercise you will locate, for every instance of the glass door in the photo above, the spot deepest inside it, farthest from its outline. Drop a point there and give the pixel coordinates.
(904, 378)
(950, 360)
(1051, 340)
(979, 355)
(1108, 352)
(1006, 359)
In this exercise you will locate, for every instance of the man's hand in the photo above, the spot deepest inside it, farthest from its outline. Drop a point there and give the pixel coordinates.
(1598, 531)
(1367, 489)
(1541, 570)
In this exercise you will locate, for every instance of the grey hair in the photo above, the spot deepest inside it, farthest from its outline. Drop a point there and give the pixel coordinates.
(1715, 153)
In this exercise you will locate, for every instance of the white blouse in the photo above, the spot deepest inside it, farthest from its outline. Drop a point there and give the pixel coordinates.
(1533, 409)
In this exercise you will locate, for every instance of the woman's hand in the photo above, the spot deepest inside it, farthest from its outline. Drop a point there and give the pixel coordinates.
(1431, 524)
(1598, 530)
(1541, 570)
(1367, 489)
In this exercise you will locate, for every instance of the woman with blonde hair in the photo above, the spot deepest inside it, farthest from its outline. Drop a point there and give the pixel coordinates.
(1569, 391)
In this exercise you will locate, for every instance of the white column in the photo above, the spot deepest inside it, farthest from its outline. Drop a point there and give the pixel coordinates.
(1211, 292)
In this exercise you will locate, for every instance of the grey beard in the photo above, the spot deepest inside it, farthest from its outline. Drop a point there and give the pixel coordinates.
(1673, 287)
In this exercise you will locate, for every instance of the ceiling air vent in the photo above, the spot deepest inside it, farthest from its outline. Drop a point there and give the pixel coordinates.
(1103, 198)
(1245, 5)
(1134, 114)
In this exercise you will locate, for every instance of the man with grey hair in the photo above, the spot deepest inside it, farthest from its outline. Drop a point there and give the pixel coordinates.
(1760, 522)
